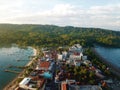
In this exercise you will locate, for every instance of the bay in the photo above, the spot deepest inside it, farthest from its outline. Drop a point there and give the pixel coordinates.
(110, 54)
(12, 56)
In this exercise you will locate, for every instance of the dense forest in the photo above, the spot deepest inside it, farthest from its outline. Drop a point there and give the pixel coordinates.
(49, 35)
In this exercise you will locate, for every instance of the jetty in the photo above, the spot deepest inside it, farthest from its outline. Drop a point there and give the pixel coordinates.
(23, 60)
(12, 71)
(20, 67)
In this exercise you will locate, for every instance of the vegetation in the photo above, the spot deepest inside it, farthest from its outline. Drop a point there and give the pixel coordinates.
(83, 74)
(97, 62)
(49, 35)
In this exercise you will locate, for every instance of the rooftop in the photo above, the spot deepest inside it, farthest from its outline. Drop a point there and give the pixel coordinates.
(84, 87)
(44, 64)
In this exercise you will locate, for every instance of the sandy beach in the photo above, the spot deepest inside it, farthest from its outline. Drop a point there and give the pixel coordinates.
(12, 85)
(34, 54)
(114, 69)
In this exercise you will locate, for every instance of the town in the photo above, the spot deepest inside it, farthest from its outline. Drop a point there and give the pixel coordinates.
(65, 69)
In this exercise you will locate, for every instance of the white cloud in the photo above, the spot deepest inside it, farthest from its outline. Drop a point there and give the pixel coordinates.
(67, 14)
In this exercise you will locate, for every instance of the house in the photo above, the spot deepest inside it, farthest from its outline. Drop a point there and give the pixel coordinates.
(77, 62)
(44, 49)
(32, 83)
(109, 81)
(70, 81)
(71, 85)
(54, 54)
(87, 62)
(46, 54)
(24, 83)
(46, 66)
(63, 56)
(76, 48)
(43, 65)
(75, 57)
(60, 57)
(84, 87)
(84, 57)
(64, 86)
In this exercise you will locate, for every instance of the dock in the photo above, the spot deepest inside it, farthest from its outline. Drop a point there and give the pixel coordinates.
(20, 67)
(12, 71)
(22, 60)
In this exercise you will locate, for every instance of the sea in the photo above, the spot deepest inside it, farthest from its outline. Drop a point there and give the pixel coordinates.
(112, 55)
(12, 56)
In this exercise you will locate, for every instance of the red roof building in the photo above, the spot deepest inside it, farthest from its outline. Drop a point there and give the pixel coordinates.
(45, 64)
(64, 86)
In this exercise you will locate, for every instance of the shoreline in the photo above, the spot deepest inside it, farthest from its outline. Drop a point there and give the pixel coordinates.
(12, 85)
(34, 54)
(113, 68)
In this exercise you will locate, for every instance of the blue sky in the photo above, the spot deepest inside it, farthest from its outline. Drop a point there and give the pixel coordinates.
(81, 13)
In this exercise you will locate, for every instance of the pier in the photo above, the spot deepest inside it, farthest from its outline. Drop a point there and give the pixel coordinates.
(20, 67)
(23, 60)
(12, 71)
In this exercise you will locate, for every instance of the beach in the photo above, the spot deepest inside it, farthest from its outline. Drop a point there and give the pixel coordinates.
(13, 84)
(113, 68)
(34, 54)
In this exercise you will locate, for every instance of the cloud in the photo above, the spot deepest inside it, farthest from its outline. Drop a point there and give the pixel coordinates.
(67, 14)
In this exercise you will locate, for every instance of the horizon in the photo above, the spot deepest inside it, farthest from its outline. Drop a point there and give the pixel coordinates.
(96, 14)
(60, 26)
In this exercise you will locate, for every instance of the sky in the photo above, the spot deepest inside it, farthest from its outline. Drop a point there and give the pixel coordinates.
(80, 13)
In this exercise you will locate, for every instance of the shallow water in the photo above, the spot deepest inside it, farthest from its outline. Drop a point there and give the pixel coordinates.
(12, 56)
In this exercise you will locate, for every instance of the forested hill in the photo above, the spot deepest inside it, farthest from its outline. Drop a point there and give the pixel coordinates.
(49, 35)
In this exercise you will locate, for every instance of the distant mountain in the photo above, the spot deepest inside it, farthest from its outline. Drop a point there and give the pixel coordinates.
(49, 35)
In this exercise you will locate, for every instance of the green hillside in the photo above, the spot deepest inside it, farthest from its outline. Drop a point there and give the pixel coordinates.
(49, 35)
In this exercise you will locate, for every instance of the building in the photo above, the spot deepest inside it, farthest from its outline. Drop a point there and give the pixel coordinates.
(84, 87)
(47, 69)
(45, 65)
(71, 85)
(60, 57)
(76, 48)
(84, 57)
(24, 83)
(87, 62)
(33, 83)
(77, 62)
(64, 86)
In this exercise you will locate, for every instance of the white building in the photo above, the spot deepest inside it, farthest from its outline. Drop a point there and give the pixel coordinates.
(60, 57)
(30, 84)
(76, 56)
(25, 84)
(77, 62)
(76, 47)
(87, 62)
(84, 57)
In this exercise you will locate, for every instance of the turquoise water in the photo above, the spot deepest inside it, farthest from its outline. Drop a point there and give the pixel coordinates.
(10, 56)
(110, 54)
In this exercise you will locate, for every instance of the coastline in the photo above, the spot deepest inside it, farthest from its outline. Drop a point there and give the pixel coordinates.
(113, 68)
(12, 85)
(34, 54)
